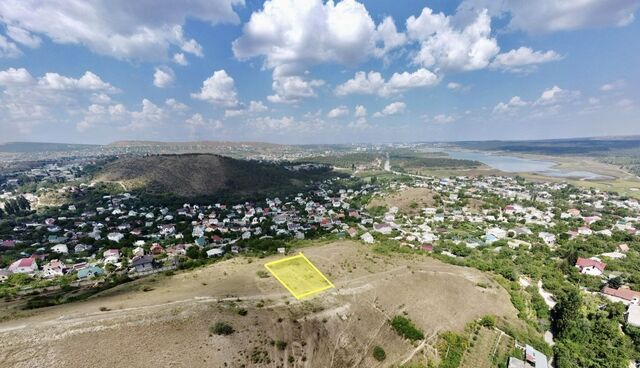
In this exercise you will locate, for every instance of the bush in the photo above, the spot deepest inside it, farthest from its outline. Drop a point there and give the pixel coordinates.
(405, 328)
(488, 321)
(379, 354)
(242, 312)
(281, 345)
(221, 328)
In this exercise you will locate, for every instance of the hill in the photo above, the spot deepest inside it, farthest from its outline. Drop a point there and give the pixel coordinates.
(165, 320)
(202, 175)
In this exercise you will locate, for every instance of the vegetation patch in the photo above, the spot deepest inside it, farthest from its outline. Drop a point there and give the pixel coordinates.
(405, 328)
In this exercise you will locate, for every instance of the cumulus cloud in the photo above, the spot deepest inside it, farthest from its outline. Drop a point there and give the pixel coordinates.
(338, 112)
(219, 89)
(395, 108)
(88, 82)
(360, 111)
(118, 116)
(138, 30)
(163, 77)
(15, 77)
(511, 106)
(293, 89)
(175, 105)
(523, 59)
(180, 59)
(254, 107)
(374, 83)
(197, 123)
(448, 47)
(292, 35)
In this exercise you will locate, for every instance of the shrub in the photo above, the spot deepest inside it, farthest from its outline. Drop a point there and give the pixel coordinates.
(405, 328)
(242, 312)
(281, 345)
(379, 354)
(221, 328)
(488, 321)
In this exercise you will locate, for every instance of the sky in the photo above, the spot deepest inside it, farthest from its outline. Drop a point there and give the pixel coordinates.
(314, 71)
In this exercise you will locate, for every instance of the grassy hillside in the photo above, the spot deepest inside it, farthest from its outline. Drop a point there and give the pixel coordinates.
(202, 176)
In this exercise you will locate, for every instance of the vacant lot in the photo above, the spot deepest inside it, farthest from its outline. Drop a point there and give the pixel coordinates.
(168, 324)
(409, 200)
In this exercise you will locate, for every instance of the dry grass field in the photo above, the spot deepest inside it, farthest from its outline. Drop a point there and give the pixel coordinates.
(168, 324)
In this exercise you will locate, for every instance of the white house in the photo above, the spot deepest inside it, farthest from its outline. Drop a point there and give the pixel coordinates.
(24, 265)
(116, 237)
(591, 267)
(60, 248)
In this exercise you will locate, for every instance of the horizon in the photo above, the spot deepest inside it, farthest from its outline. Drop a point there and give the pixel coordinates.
(318, 72)
(602, 137)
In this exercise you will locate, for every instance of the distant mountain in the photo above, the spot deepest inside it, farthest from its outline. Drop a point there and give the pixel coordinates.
(30, 147)
(202, 175)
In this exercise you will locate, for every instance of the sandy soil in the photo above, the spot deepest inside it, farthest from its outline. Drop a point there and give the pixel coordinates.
(168, 326)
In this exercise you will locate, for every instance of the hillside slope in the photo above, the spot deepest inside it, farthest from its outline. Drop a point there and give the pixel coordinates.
(200, 175)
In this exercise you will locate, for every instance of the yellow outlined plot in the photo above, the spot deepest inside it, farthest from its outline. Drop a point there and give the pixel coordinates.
(298, 275)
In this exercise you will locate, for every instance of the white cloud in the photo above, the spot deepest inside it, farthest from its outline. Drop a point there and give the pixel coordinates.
(8, 49)
(360, 111)
(15, 77)
(292, 35)
(197, 123)
(89, 82)
(552, 16)
(445, 46)
(23, 37)
(180, 59)
(511, 106)
(556, 95)
(140, 30)
(444, 119)
(257, 106)
(218, 89)
(388, 35)
(176, 105)
(163, 77)
(616, 85)
(374, 83)
(394, 108)
(293, 89)
(338, 112)
(253, 108)
(100, 98)
(523, 59)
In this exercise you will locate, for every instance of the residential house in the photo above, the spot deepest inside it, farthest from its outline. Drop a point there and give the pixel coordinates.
(53, 269)
(90, 272)
(24, 265)
(142, 264)
(589, 266)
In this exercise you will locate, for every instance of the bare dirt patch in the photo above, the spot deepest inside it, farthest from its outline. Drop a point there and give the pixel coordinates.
(169, 326)
(409, 200)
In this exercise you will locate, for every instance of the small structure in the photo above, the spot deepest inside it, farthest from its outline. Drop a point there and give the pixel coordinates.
(90, 272)
(24, 265)
(589, 266)
(142, 264)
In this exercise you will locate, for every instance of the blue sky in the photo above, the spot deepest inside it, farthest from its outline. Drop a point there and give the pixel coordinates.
(311, 71)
